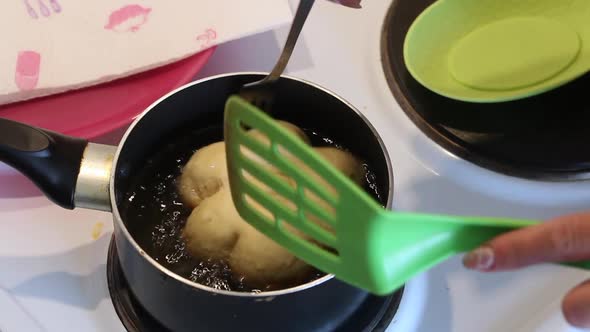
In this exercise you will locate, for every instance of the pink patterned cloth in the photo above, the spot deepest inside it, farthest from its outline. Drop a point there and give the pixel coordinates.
(52, 46)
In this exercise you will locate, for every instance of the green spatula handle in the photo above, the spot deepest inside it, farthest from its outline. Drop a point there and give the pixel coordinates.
(469, 233)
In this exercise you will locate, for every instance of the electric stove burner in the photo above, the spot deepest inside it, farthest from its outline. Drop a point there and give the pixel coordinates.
(374, 315)
(541, 137)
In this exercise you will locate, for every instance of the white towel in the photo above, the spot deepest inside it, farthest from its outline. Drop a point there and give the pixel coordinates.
(51, 46)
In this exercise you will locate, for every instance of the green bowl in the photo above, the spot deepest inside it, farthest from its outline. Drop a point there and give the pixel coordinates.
(498, 50)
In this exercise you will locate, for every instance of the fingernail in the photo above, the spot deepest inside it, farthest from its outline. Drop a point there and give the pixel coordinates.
(479, 259)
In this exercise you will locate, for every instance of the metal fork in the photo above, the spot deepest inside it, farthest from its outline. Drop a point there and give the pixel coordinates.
(260, 93)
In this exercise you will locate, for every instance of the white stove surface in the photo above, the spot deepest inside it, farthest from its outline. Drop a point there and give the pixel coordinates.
(52, 261)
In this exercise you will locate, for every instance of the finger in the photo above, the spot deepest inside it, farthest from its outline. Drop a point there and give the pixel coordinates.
(562, 239)
(576, 306)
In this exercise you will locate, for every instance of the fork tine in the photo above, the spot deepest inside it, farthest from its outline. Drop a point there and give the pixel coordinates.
(260, 97)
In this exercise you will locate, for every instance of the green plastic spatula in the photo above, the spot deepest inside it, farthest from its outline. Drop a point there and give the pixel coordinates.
(498, 50)
(350, 235)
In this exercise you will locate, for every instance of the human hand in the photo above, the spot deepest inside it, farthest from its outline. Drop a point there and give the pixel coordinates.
(563, 239)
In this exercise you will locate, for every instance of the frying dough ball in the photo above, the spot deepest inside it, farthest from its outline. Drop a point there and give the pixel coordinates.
(345, 161)
(213, 227)
(215, 230)
(206, 171)
(262, 262)
(291, 127)
(204, 174)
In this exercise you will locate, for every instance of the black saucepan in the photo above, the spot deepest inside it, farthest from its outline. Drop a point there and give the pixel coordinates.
(74, 173)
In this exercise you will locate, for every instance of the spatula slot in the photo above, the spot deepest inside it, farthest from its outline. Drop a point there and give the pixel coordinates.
(318, 233)
(325, 210)
(260, 210)
(295, 224)
(265, 188)
(323, 242)
(303, 174)
(259, 172)
(265, 176)
(323, 224)
(256, 135)
(263, 200)
(301, 222)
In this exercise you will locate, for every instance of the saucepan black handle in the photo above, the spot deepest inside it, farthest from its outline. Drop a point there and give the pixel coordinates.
(49, 159)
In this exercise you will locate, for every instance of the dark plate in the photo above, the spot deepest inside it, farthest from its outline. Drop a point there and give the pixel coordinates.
(374, 315)
(541, 137)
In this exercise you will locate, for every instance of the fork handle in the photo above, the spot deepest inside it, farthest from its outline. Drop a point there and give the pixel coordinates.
(300, 17)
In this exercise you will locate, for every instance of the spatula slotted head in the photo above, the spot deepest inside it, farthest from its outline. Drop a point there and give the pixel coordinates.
(287, 191)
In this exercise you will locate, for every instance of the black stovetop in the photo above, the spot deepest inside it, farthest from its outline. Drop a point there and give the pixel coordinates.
(540, 137)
